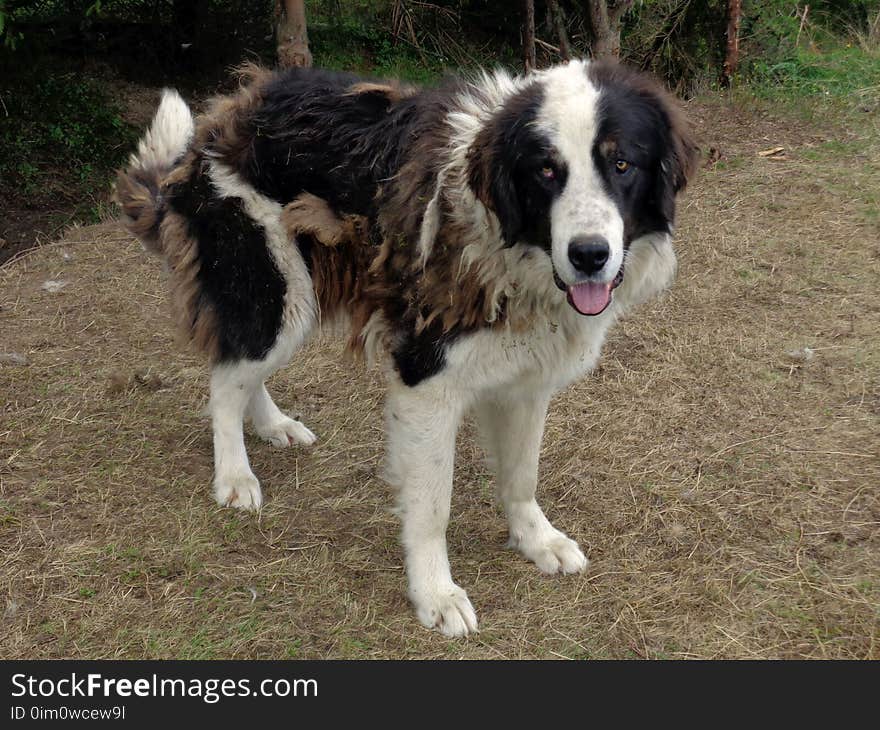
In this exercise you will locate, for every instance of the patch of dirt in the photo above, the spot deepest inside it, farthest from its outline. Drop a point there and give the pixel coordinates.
(723, 483)
(22, 227)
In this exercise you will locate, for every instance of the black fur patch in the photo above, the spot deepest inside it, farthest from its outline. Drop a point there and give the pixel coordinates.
(419, 356)
(237, 273)
(509, 165)
(634, 128)
(312, 134)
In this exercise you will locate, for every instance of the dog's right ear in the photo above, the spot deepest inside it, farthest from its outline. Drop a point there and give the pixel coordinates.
(490, 174)
(494, 156)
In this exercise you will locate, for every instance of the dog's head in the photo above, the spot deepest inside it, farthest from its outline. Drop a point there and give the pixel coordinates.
(582, 161)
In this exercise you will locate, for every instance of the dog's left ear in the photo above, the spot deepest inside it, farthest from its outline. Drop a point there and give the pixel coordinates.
(680, 162)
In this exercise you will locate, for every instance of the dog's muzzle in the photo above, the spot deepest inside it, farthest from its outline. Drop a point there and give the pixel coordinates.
(589, 297)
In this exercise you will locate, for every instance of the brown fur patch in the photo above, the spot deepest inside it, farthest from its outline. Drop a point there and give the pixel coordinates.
(394, 91)
(403, 201)
(135, 193)
(608, 146)
(341, 279)
(194, 316)
(224, 129)
(687, 153)
(309, 214)
(448, 295)
(443, 294)
(341, 258)
(351, 273)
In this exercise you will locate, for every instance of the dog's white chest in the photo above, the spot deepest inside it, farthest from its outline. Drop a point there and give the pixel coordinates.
(552, 355)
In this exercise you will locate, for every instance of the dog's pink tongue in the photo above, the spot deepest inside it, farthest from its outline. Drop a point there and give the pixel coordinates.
(590, 297)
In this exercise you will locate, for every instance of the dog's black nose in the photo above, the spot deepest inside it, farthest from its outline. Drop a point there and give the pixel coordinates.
(588, 254)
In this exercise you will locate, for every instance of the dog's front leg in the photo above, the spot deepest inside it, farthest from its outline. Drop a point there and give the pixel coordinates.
(512, 426)
(421, 424)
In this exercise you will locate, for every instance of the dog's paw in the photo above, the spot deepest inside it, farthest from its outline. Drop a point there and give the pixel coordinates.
(550, 550)
(287, 432)
(556, 554)
(536, 539)
(238, 490)
(446, 609)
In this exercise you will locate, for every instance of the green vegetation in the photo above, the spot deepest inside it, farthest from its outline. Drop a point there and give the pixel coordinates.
(843, 70)
(829, 58)
(61, 134)
(352, 45)
(360, 36)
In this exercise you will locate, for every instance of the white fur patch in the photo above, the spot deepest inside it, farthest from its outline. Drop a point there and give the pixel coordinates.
(168, 135)
(421, 424)
(568, 117)
(650, 268)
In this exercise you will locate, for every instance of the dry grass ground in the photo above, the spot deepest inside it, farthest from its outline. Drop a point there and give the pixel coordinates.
(726, 491)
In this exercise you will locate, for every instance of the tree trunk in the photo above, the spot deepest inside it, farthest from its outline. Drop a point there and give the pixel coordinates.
(293, 38)
(557, 19)
(529, 56)
(605, 20)
(731, 58)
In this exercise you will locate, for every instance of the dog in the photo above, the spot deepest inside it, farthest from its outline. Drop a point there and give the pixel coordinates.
(480, 238)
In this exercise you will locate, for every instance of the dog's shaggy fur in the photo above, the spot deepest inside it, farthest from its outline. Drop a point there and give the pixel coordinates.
(483, 236)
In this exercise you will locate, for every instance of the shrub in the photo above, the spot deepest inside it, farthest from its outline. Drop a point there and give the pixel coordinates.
(59, 133)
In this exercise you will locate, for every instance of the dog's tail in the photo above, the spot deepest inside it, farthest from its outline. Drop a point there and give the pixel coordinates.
(138, 187)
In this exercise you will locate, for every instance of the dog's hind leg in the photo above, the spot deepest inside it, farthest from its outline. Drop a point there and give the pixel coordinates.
(238, 390)
(233, 385)
(512, 425)
(273, 425)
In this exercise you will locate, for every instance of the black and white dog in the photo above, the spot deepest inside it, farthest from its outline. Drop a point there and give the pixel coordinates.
(481, 237)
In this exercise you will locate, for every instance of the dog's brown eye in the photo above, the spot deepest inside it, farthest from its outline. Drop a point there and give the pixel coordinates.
(548, 173)
(621, 165)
